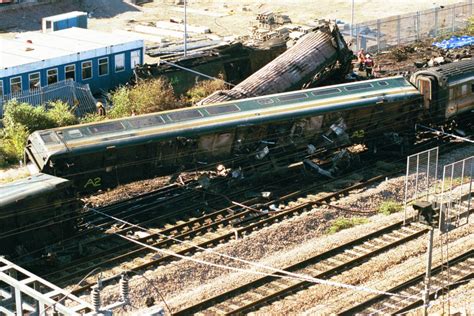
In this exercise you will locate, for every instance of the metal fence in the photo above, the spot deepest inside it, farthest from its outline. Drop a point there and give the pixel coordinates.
(77, 95)
(381, 34)
(457, 191)
(421, 177)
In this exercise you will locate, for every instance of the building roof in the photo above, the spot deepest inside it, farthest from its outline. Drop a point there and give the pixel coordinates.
(34, 50)
(64, 16)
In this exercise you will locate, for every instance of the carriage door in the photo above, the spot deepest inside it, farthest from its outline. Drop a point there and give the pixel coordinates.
(424, 84)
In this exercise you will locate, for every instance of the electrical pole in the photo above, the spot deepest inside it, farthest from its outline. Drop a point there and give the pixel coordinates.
(429, 258)
(352, 20)
(185, 29)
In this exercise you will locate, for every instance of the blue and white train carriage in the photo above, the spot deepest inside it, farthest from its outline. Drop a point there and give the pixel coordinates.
(101, 60)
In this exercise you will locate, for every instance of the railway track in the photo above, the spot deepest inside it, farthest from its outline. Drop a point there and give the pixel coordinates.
(242, 221)
(208, 230)
(267, 289)
(461, 268)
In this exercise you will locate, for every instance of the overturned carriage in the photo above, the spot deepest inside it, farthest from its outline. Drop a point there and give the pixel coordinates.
(104, 154)
(314, 58)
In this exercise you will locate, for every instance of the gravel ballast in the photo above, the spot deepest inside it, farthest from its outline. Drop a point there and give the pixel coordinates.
(184, 283)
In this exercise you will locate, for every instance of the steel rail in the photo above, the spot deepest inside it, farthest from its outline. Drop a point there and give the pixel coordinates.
(398, 233)
(262, 221)
(398, 307)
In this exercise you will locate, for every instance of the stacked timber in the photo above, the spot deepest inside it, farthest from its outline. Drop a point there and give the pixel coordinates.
(312, 59)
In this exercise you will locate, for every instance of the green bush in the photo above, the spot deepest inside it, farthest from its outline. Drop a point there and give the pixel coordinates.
(205, 88)
(33, 118)
(153, 96)
(13, 142)
(390, 207)
(91, 118)
(60, 114)
(21, 119)
(147, 96)
(121, 103)
(344, 223)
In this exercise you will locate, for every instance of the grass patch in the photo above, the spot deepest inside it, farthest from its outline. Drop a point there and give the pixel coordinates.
(390, 207)
(345, 223)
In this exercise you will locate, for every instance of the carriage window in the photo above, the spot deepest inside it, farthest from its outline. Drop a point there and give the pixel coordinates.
(15, 84)
(451, 94)
(74, 133)
(48, 138)
(472, 87)
(464, 90)
(222, 109)
(383, 83)
(359, 87)
(52, 76)
(34, 79)
(326, 92)
(142, 122)
(184, 115)
(86, 70)
(291, 97)
(106, 128)
(70, 72)
(265, 101)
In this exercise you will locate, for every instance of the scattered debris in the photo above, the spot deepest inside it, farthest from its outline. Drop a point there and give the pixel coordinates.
(314, 58)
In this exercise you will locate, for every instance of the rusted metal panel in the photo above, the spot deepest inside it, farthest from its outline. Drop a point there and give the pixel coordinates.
(310, 60)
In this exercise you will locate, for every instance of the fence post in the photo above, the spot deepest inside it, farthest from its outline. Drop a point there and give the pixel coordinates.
(399, 25)
(418, 25)
(453, 22)
(436, 21)
(357, 37)
(379, 24)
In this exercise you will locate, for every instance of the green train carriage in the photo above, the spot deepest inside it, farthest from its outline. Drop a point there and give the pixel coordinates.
(103, 154)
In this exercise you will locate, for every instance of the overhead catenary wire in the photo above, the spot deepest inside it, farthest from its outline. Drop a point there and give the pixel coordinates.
(87, 211)
(255, 264)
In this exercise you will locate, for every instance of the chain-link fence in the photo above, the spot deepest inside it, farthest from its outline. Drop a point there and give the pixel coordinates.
(457, 191)
(421, 177)
(381, 34)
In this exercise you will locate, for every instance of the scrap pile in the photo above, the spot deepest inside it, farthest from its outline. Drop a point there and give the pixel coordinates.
(410, 58)
(316, 56)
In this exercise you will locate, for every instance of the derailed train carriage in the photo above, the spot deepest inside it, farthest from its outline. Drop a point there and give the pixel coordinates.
(35, 212)
(100, 155)
(103, 154)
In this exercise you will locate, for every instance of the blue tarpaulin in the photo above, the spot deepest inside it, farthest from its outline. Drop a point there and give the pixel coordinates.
(455, 42)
